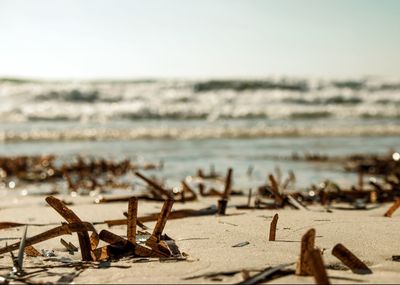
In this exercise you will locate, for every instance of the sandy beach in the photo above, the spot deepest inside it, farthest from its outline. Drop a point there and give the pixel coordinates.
(208, 242)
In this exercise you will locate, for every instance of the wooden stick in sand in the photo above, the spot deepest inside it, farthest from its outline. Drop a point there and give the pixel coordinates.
(222, 203)
(318, 267)
(350, 260)
(272, 228)
(65, 229)
(249, 198)
(393, 208)
(275, 189)
(303, 267)
(160, 190)
(132, 219)
(85, 243)
(154, 241)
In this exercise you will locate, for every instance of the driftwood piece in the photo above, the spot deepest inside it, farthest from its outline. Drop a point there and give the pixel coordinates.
(71, 217)
(393, 208)
(160, 190)
(187, 189)
(318, 267)
(31, 251)
(132, 219)
(55, 232)
(303, 267)
(275, 190)
(228, 184)
(350, 260)
(154, 241)
(179, 214)
(272, 228)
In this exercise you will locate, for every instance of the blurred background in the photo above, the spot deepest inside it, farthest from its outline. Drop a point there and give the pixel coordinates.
(242, 84)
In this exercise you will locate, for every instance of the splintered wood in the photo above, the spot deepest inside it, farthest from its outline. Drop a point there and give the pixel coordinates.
(272, 228)
(303, 267)
(350, 260)
(393, 208)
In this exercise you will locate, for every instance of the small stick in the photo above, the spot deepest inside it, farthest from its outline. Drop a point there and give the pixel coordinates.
(186, 188)
(350, 260)
(272, 228)
(249, 198)
(318, 267)
(307, 245)
(162, 218)
(71, 217)
(275, 190)
(393, 208)
(55, 232)
(157, 187)
(228, 184)
(31, 251)
(132, 219)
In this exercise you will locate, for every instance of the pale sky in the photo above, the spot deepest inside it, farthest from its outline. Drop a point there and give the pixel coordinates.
(199, 38)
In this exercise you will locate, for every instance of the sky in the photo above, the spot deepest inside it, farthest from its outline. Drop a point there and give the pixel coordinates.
(64, 39)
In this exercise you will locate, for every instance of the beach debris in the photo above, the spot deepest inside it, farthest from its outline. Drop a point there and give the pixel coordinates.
(303, 267)
(393, 208)
(178, 214)
(350, 260)
(48, 253)
(156, 245)
(31, 251)
(272, 228)
(69, 246)
(132, 219)
(267, 274)
(241, 244)
(317, 267)
(85, 243)
(396, 258)
(223, 202)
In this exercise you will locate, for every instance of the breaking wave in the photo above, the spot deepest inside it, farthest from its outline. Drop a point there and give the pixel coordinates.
(186, 133)
(267, 99)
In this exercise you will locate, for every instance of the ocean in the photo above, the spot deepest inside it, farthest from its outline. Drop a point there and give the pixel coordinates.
(191, 124)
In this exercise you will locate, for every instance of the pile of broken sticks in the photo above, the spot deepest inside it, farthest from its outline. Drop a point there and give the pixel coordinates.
(156, 245)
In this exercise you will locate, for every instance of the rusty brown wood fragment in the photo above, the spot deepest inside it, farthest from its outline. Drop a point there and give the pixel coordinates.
(160, 190)
(71, 217)
(154, 241)
(272, 228)
(178, 214)
(249, 198)
(65, 229)
(303, 267)
(317, 267)
(275, 189)
(132, 219)
(31, 251)
(187, 189)
(162, 218)
(350, 260)
(7, 225)
(228, 184)
(393, 208)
